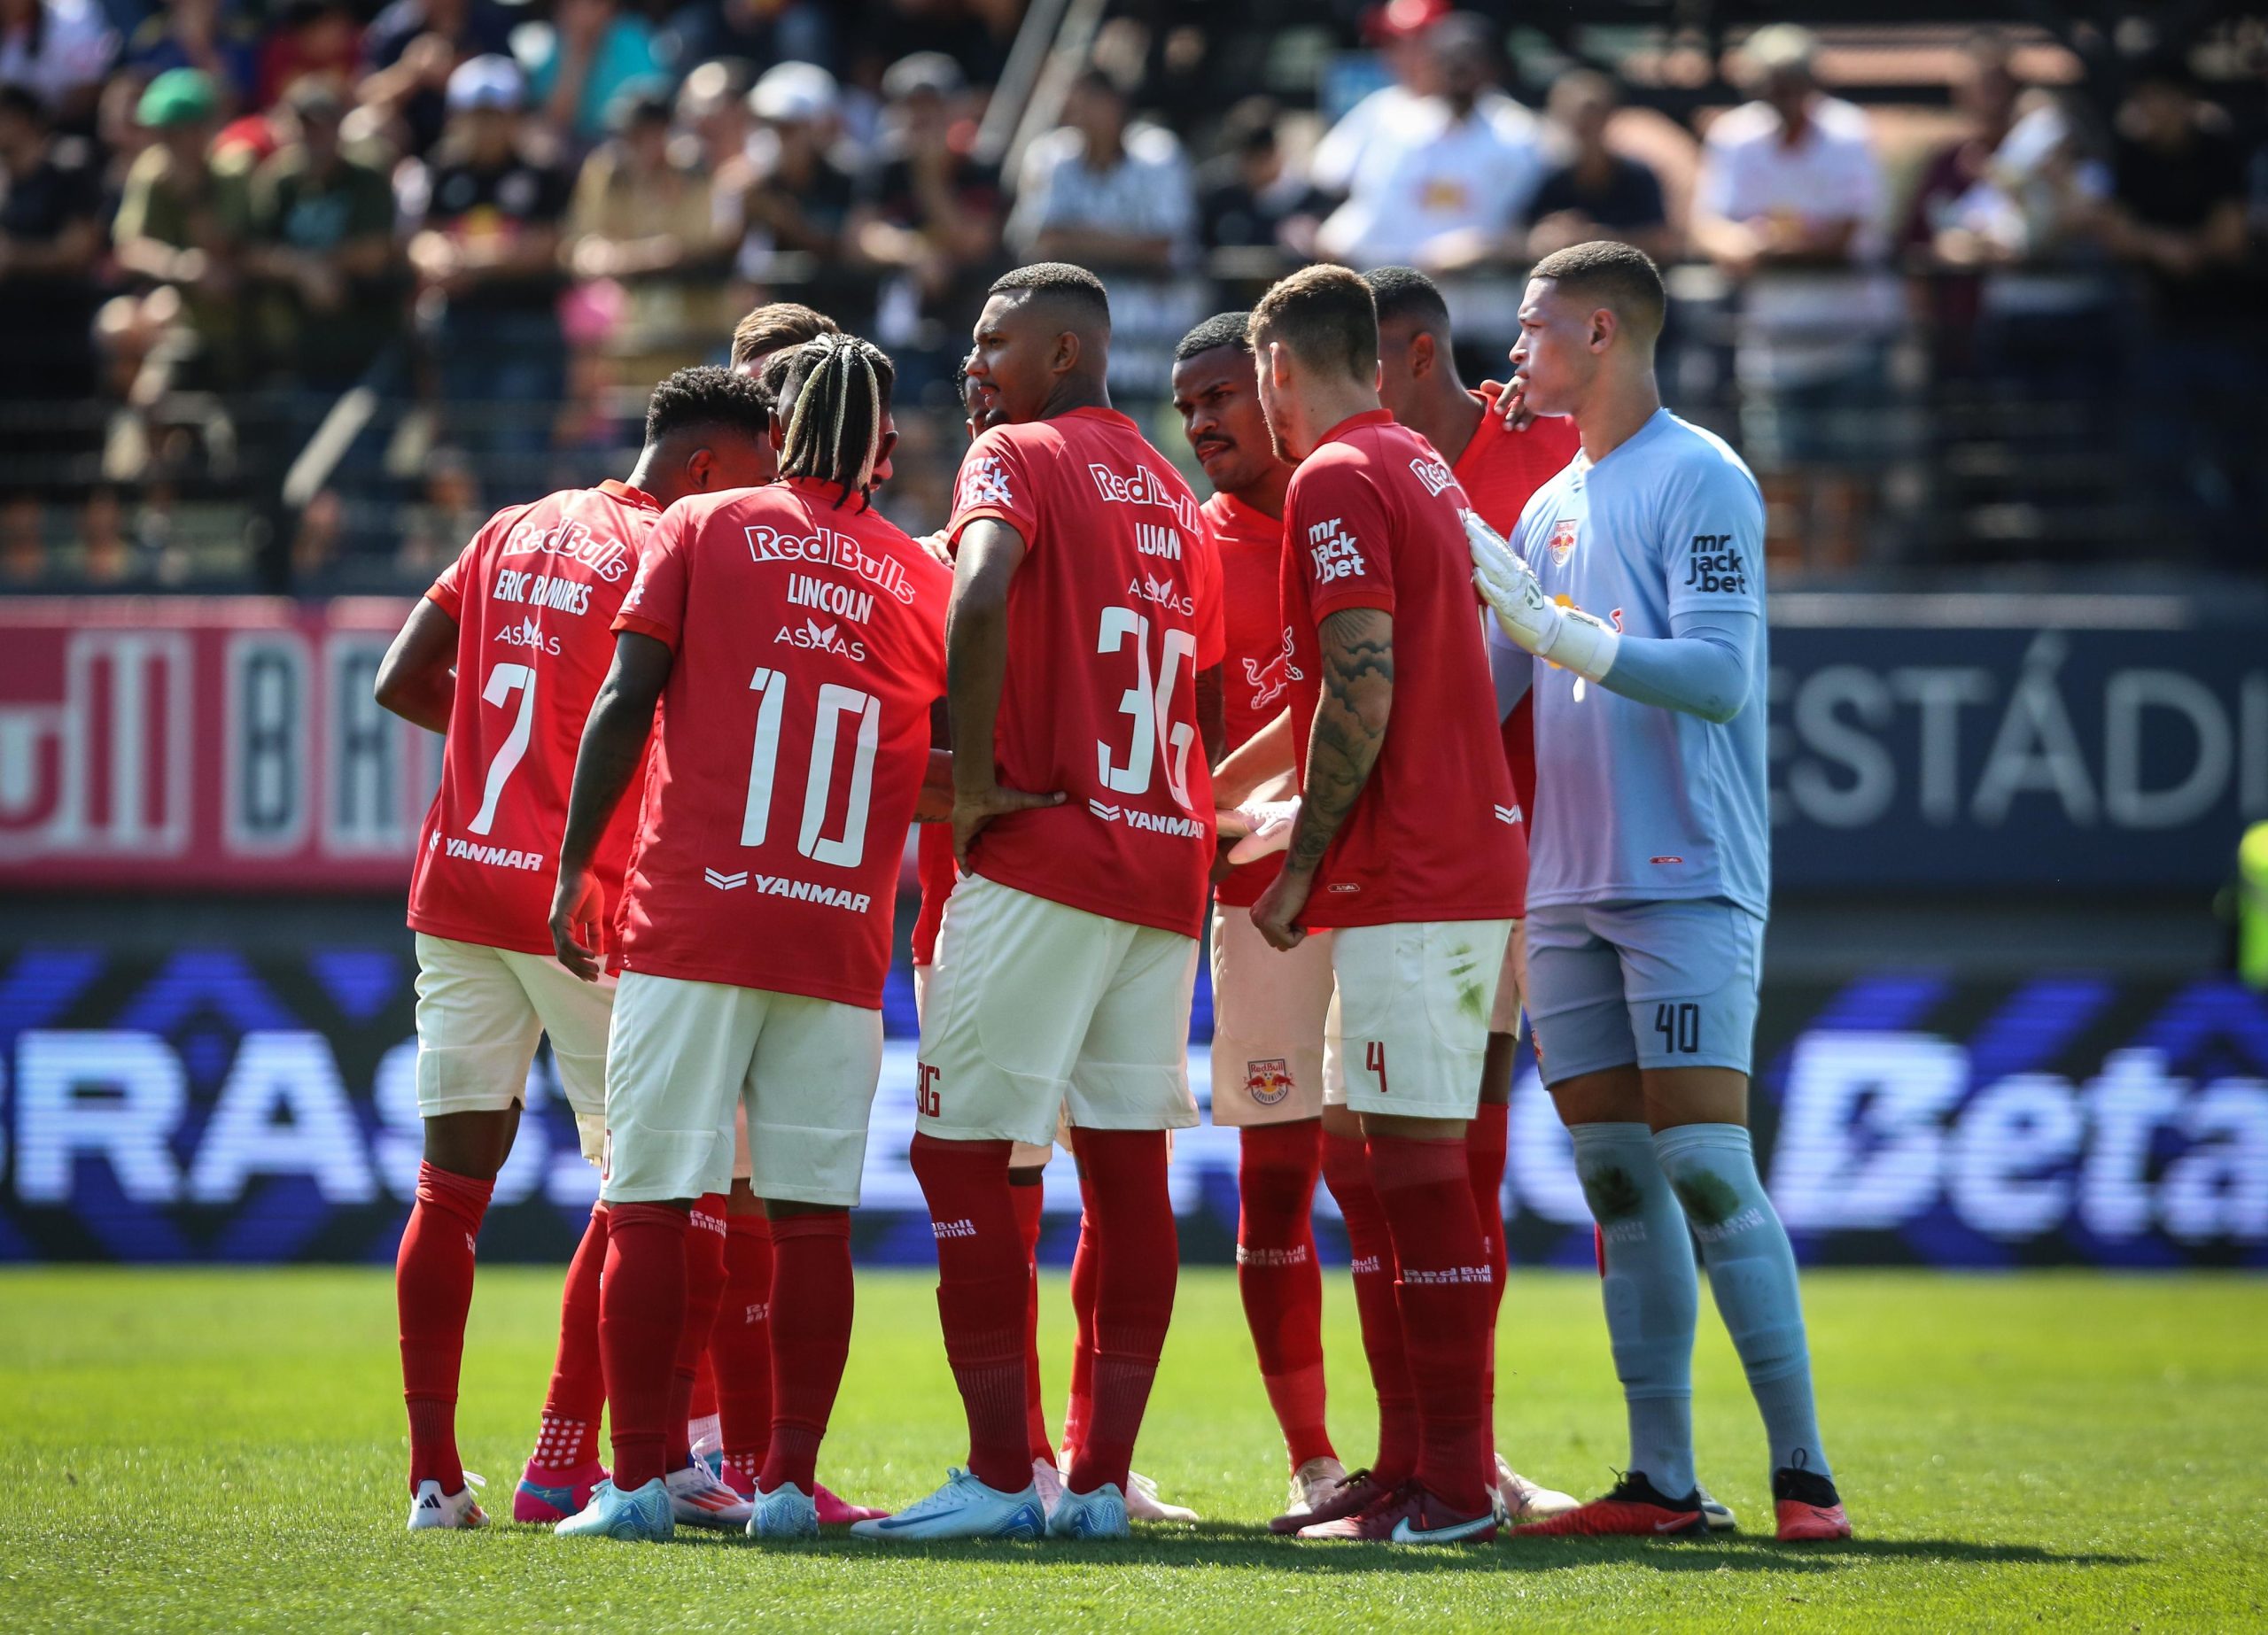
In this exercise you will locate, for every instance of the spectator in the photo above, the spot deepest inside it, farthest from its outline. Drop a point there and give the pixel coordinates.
(596, 51)
(181, 221)
(1445, 185)
(930, 215)
(1401, 28)
(643, 214)
(1249, 197)
(212, 36)
(50, 233)
(323, 239)
(1597, 193)
(435, 527)
(800, 201)
(412, 49)
(1101, 192)
(58, 50)
(316, 38)
(754, 31)
(2177, 216)
(1788, 206)
(485, 214)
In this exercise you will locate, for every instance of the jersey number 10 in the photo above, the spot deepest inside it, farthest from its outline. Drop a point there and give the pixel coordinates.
(843, 851)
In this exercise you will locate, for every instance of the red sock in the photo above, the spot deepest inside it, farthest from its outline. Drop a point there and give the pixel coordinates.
(570, 1434)
(740, 1346)
(1347, 1170)
(432, 1289)
(703, 1402)
(641, 1317)
(704, 1287)
(1442, 1288)
(1079, 1406)
(1030, 1197)
(811, 1280)
(1279, 1279)
(1484, 1142)
(983, 1291)
(1124, 1182)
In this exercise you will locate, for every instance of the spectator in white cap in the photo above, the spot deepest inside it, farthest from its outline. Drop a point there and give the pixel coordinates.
(485, 211)
(802, 193)
(596, 51)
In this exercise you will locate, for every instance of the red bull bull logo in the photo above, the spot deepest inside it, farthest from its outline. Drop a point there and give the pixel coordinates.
(1268, 1081)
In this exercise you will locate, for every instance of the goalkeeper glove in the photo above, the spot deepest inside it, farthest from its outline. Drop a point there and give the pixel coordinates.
(1568, 637)
(1270, 825)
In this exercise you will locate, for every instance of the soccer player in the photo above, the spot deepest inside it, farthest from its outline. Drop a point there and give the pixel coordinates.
(1268, 1008)
(1498, 466)
(1405, 846)
(1067, 956)
(1636, 576)
(521, 620)
(773, 1001)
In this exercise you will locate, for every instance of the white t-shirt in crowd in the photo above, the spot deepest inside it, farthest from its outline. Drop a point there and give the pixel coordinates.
(1147, 195)
(1421, 173)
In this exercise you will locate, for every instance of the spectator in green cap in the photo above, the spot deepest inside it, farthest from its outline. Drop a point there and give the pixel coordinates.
(181, 220)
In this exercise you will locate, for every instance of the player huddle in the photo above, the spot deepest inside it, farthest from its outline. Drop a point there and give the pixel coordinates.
(1114, 707)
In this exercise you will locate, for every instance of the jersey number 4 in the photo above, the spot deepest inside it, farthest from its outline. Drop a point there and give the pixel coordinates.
(835, 704)
(1150, 704)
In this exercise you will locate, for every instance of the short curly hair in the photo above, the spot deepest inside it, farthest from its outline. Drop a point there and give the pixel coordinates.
(707, 396)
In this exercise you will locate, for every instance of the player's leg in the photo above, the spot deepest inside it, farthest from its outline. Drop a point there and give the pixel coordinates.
(1588, 1058)
(1693, 973)
(1486, 1143)
(1414, 1012)
(810, 1099)
(1268, 1013)
(698, 1496)
(676, 1052)
(1079, 1401)
(564, 1468)
(1015, 979)
(740, 1344)
(1028, 1185)
(1130, 1087)
(475, 1035)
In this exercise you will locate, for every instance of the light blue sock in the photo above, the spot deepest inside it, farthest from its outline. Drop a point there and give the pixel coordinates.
(1652, 1294)
(1752, 1274)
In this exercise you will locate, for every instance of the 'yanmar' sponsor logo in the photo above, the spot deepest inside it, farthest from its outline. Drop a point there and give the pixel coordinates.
(606, 557)
(1144, 487)
(1508, 814)
(1188, 828)
(780, 886)
(493, 856)
(835, 550)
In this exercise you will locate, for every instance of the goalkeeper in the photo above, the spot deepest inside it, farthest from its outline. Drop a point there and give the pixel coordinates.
(1635, 579)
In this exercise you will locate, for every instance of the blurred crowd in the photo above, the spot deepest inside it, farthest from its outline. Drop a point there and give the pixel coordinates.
(378, 270)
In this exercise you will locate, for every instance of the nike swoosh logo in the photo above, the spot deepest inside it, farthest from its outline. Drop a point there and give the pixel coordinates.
(1403, 1533)
(1679, 1525)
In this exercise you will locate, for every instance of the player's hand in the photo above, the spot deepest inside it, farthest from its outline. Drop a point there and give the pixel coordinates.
(974, 809)
(577, 906)
(1512, 403)
(1510, 586)
(935, 544)
(1276, 915)
(1266, 827)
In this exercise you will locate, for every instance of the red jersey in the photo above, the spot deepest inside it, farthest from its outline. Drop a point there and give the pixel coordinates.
(1499, 470)
(1259, 668)
(1107, 622)
(1373, 521)
(793, 735)
(534, 596)
(932, 866)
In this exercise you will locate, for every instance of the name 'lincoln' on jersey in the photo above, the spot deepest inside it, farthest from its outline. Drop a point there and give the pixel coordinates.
(1634, 802)
(1115, 610)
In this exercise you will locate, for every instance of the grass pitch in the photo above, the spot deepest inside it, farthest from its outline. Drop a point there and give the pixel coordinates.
(218, 1449)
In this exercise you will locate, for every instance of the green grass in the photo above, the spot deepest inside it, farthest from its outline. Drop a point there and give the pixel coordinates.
(218, 1449)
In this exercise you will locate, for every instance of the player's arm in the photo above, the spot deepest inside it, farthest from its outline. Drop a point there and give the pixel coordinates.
(1705, 666)
(614, 743)
(1213, 714)
(1512, 669)
(1350, 729)
(976, 668)
(417, 677)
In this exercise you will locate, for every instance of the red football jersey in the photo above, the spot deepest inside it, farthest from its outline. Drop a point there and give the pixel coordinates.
(1372, 522)
(1106, 634)
(932, 866)
(793, 736)
(1259, 669)
(534, 596)
(1499, 471)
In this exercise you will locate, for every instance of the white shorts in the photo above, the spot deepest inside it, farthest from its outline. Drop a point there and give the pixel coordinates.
(1037, 1009)
(1269, 1012)
(1022, 1154)
(480, 1010)
(1409, 1025)
(685, 1055)
(1504, 1015)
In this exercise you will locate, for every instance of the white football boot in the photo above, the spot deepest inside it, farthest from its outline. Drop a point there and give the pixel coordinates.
(1099, 1515)
(699, 1498)
(787, 1512)
(1313, 1483)
(431, 1508)
(1524, 1500)
(964, 1508)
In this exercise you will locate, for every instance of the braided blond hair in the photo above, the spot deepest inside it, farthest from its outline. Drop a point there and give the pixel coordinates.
(836, 400)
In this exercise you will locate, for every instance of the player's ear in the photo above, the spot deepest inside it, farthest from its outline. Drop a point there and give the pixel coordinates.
(1279, 365)
(1421, 355)
(1067, 352)
(883, 448)
(1603, 327)
(776, 432)
(701, 470)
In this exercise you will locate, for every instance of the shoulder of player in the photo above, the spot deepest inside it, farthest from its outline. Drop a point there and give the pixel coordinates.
(1688, 458)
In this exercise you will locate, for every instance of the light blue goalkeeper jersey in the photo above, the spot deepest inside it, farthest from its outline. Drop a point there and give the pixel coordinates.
(1635, 801)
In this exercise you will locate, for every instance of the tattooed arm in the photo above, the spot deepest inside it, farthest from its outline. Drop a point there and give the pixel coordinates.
(1350, 724)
